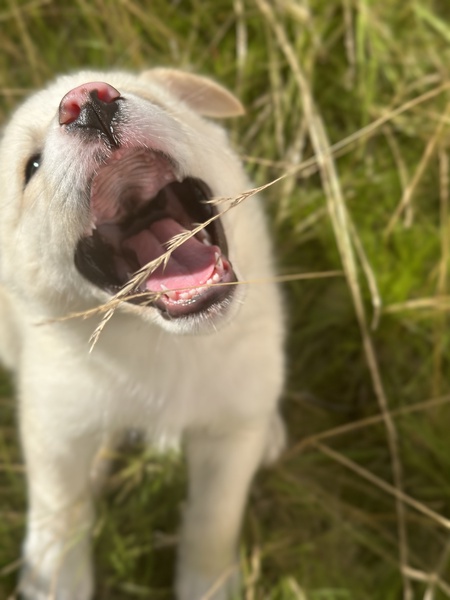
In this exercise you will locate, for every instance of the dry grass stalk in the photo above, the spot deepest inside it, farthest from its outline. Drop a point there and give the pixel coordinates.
(152, 296)
(441, 303)
(299, 594)
(433, 581)
(409, 191)
(385, 486)
(436, 579)
(363, 423)
(220, 581)
(148, 297)
(369, 273)
(253, 574)
(402, 169)
(441, 288)
(32, 53)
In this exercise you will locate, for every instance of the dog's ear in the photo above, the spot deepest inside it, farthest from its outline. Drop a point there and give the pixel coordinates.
(201, 94)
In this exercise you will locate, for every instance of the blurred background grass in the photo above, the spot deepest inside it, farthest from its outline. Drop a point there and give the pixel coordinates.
(359, 507)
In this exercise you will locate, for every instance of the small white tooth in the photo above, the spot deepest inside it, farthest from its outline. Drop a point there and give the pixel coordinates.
(185, 296)
(216, 278)
(219, 263)
(203, 235)
(91, 228)
(164, 287)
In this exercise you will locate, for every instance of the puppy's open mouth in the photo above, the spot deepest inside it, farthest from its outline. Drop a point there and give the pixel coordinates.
(137, 206)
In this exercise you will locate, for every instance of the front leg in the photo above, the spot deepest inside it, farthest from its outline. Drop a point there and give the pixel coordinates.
(221, 467)
(56, 553)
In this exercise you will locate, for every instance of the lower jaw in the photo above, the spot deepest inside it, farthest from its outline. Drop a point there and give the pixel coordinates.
(211, 301)
(203, 305)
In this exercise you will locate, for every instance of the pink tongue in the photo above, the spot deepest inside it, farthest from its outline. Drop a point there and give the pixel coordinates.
(190, 265)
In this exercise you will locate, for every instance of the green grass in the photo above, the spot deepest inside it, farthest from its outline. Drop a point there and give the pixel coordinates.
(318, 526)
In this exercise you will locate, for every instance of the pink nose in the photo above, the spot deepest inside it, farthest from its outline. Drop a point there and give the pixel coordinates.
(72, 103)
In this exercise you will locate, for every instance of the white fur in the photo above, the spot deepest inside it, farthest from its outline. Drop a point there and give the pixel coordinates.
(214, 387)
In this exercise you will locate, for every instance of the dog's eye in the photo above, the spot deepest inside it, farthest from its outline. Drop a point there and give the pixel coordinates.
(33, 165)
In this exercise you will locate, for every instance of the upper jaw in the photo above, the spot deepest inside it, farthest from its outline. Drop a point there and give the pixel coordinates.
(140, 198)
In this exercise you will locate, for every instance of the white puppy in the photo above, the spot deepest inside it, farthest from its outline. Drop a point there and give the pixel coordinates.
(97, 173)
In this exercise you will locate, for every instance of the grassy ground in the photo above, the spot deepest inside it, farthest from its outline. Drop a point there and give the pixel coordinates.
(359, 507)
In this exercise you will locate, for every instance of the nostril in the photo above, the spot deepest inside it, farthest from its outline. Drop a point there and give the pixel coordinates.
(107, 93)
(69, 112)
(73, 102)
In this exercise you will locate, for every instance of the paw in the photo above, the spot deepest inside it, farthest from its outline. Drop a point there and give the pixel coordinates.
(56, 571)
(35, 587)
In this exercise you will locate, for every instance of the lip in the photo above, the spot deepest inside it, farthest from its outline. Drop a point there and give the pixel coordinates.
(138, 204)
